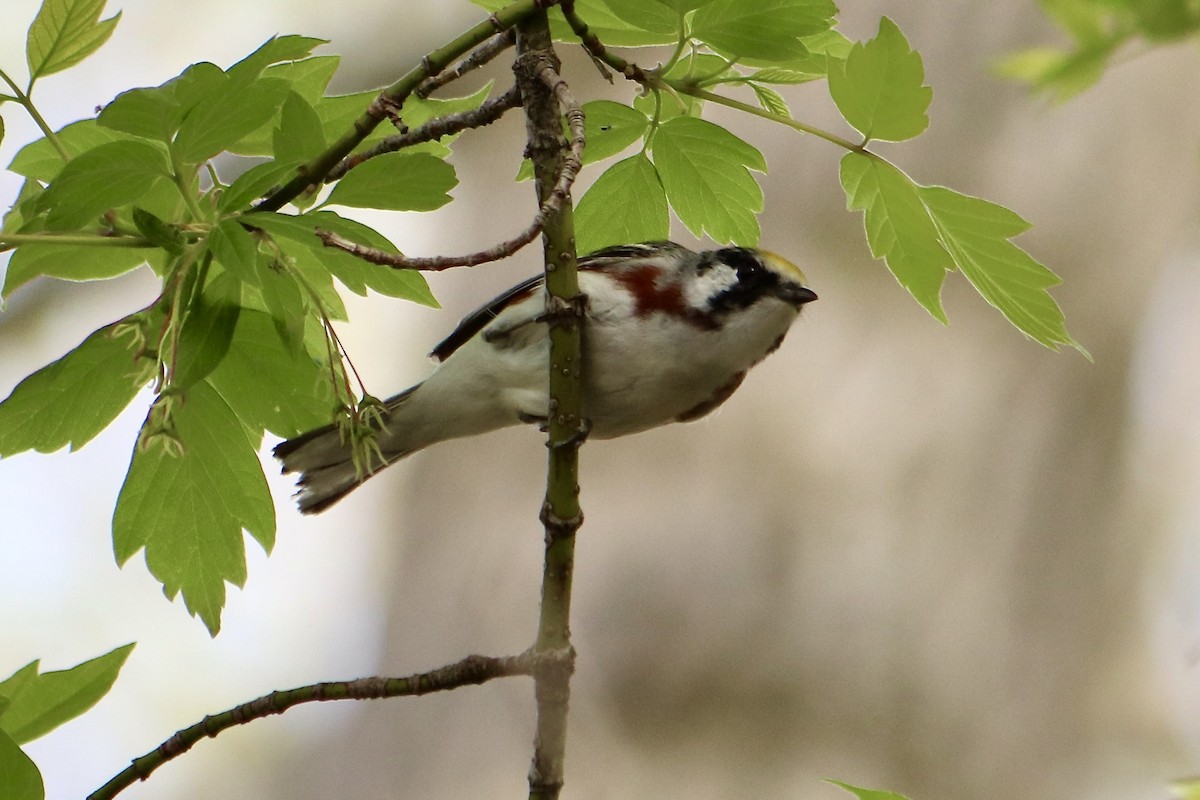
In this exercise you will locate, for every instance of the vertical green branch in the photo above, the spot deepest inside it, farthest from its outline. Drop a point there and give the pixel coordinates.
(560, 513)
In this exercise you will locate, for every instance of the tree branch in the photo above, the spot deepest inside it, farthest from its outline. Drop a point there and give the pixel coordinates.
(653, 80)
(471, 670)
(491, 110)
(551, 205)
(480, 56)
(536, 68)
(393, 97)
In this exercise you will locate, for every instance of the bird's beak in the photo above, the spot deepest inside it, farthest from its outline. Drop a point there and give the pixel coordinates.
(795, 294)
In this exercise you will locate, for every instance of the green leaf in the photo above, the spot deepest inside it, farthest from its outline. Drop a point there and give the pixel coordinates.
(772, 101)
(339, 112)
(768, 30)
(234, 249)
(294, 247)
(226, 115)
(14, 683)
(253, 184)
(70, 263)
(274, 50)
(626, 204)
(898, 227)
(880, 88)
(298, 136)
(683, 6)
(609, 128)
(207, 331)
(649, 16)
(357, 275)
(42, 702)
(282, 297)
(397, 182)
(65, 32)
(104, 177)
(976, 233)
(24, 208)
(601, 20)
(151, 113)
(868, 794)
(307, 77)
(19, 776)
(71, 400)
(783, 75)
(156, 230)
(271, 384)
(156, 112)
(705, 170)
(40, 159)
(419, 110)
(188, 510)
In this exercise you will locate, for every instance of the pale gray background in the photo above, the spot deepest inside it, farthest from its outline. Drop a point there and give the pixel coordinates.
(946, 562)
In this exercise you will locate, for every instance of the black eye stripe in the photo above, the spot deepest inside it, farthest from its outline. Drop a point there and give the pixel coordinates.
(745, 261)
(753, 279)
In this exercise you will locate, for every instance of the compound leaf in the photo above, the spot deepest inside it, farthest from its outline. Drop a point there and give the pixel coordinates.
(187, 506)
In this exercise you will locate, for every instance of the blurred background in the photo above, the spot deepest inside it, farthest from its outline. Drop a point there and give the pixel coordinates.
(942, 561)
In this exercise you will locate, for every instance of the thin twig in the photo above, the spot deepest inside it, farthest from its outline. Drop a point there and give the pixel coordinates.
(551, 205)
(469, 671)
(480, 56)
(597, 50)
(490, 111)
(652, 79)
(393, 97)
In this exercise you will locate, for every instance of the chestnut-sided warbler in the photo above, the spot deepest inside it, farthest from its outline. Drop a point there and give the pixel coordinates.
(668, 335)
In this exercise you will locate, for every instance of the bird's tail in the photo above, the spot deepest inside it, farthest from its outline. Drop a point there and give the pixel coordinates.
(324, 458)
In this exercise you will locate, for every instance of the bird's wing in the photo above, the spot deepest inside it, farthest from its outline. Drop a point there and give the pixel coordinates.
(474, 322)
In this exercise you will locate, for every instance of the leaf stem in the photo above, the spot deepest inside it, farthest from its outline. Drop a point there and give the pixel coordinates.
(729, 102)
(10, 240)
(26, 102)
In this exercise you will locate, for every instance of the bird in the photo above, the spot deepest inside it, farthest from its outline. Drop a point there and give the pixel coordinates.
(668, 335)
